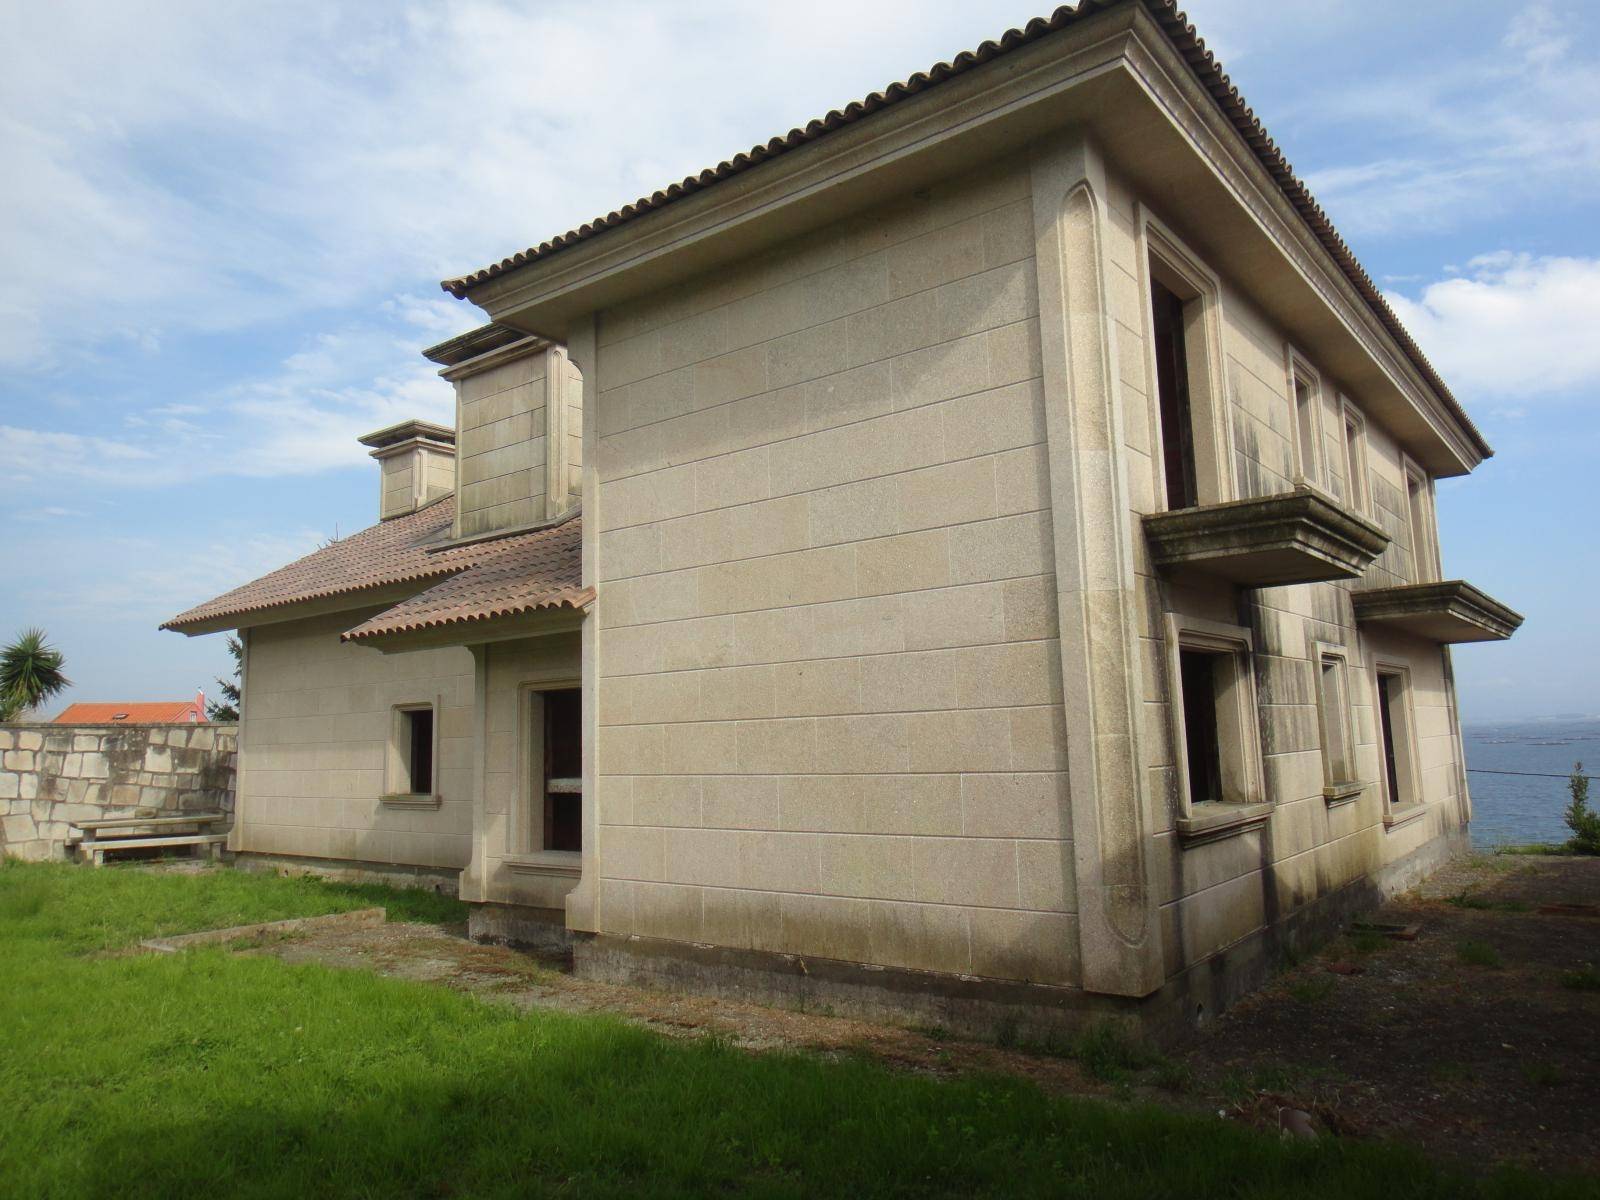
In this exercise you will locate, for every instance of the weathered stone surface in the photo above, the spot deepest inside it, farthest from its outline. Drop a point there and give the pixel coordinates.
(54, 776)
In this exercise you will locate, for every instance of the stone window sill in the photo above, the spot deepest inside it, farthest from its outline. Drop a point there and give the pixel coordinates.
(410, 800)
(1403, 815)
(566, 864)
(1342, 793)
(1213, 822)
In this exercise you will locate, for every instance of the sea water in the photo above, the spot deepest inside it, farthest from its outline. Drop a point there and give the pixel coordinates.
(1527, 807)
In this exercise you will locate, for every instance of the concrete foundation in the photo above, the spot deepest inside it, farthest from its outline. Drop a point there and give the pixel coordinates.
(442, 880)
(541, 929)
(994, 1008)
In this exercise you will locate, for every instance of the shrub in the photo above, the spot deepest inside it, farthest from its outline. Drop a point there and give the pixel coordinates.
(1581, 819)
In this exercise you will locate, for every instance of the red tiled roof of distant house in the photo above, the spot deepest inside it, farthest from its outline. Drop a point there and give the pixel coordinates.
(154, 712)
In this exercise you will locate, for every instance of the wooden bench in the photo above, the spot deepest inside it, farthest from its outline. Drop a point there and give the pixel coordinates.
(95, 839)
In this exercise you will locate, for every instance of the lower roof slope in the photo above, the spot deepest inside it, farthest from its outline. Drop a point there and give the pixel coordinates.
(480, 579)
(511, 576)
(390, 552)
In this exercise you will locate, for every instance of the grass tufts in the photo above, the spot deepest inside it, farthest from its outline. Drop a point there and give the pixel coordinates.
(1311, 990)
(1479, 954)
(1581, 979)
(1366, 941)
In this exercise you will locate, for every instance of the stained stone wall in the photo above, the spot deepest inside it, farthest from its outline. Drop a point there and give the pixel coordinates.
(53, 775)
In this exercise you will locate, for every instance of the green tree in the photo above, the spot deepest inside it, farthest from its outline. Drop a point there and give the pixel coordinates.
(30, 673)
(227, 709)
(1581, 819)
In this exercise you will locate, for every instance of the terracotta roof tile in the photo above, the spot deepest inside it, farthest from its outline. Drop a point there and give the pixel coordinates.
(483, 578)
(394, 551)
(1189, 45)
(511, 575)
(155, 712)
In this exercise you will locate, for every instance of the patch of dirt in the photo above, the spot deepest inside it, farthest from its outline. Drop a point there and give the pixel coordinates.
(1465, 1042)
(442, 954)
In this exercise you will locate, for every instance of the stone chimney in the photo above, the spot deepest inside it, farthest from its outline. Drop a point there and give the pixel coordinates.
(418, 461)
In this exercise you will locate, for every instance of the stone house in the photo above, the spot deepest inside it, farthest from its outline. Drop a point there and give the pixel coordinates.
(975, 554)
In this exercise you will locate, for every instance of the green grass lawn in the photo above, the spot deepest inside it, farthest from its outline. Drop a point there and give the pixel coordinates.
(210, 1074)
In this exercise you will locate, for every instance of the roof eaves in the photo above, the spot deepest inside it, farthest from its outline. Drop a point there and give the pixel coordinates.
(219, 608)
(183, 620)
(1190, 46)
(573, 598)
(474, 342)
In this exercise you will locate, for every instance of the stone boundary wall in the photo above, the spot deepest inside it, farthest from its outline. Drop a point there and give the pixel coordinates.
(53, 775)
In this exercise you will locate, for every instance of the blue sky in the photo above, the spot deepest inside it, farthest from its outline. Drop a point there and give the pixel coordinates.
(223, 225)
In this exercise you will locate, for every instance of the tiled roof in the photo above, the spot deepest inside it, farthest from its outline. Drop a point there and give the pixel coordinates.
(488, 577)
(1188, 44)
(511, 575)
(156, 712)
(394, 551)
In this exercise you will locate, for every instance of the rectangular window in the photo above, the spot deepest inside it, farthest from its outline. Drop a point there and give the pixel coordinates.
(1420, 514)
(1213, 715)
(1172, 387)
(1338, 751)
(1394, 728)
(1198, 672)
(1355, 460)
(562, 715)
(411, 752)
(1306, 427)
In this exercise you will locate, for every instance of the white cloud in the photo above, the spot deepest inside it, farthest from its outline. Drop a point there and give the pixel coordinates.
(1511, 326)
(50, 512)
(148, 580)
(203, 166)
(301, 419)
(180, 168)
(1466, 138)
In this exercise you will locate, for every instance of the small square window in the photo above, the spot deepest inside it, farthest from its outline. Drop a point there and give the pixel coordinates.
(411, 752)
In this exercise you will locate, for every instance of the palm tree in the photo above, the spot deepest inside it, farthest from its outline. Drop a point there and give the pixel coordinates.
(30, 673)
